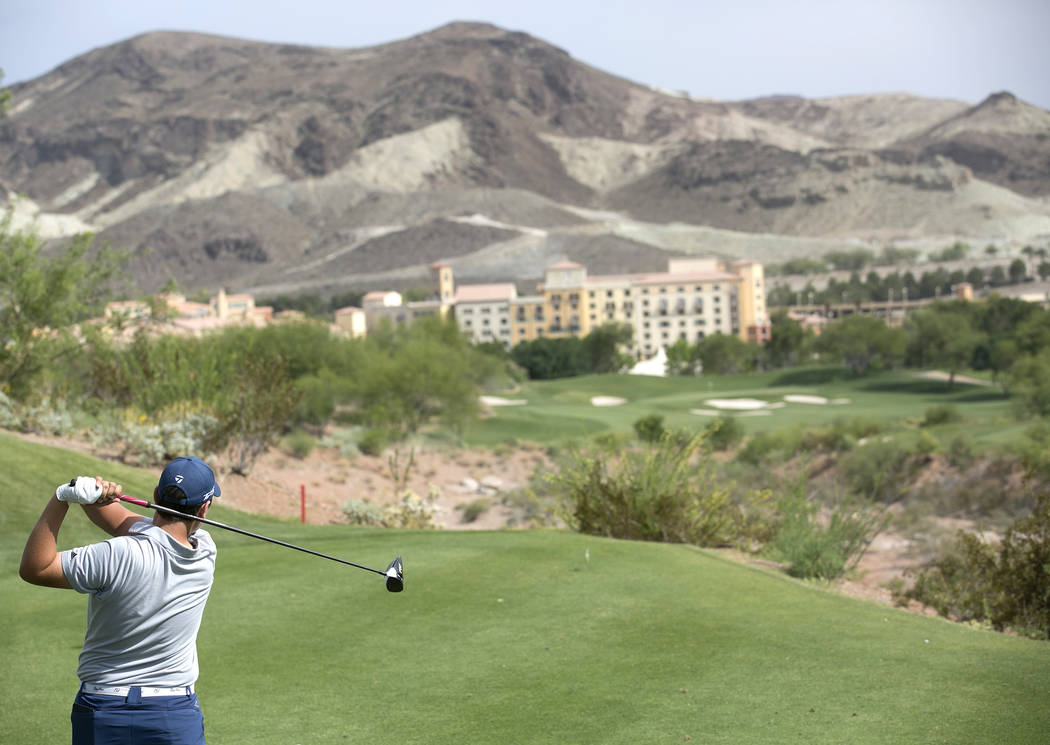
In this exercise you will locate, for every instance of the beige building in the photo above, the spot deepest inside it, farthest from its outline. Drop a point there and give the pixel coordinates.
(482, 312)
(693, 298)
(351, 320)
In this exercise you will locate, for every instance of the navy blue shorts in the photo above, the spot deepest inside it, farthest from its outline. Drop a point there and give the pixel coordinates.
(115, 720)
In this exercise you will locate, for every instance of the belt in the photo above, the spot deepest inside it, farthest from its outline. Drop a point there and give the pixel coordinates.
(146, 691)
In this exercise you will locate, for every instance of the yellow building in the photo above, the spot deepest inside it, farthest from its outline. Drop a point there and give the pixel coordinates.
(693, 298)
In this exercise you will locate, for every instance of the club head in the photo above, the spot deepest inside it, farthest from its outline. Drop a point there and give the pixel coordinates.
(395, 578)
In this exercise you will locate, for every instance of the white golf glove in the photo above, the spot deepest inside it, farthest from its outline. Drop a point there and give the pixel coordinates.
(81, 490)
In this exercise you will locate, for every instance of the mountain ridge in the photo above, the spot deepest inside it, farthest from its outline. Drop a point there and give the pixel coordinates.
(216, 160)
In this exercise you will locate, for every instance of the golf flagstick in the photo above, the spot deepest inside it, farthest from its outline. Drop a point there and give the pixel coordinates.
(394, 573)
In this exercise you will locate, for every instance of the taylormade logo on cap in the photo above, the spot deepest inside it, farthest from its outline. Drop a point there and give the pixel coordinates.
(193, 476)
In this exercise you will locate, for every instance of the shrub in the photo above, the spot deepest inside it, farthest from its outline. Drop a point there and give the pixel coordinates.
(724, 433)
(140, 443)
(475, 509)
(47, 418)
(879, 470)
(611, 440)
(529, 509)
(940, 414)
(765, 445)
(927, 444)
(9, 418)
(962, 450)
(823, 549)
(374, 441)
(1007, 586)
(656, 493)
(649, 428)
(152, 441)
(856, 428)
(413, 512)
(359, 512)
(300, 444)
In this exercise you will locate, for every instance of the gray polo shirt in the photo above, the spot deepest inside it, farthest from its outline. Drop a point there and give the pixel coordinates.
(147, 595)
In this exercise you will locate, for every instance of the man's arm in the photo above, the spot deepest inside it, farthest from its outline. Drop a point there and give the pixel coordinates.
(41, 564)
(114, 518)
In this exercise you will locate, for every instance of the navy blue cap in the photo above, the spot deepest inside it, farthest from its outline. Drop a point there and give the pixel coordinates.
(194, 477)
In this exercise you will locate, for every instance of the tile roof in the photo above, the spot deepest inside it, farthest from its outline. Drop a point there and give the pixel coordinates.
(486, 293)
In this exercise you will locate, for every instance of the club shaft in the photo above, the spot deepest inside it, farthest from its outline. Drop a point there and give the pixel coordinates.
(224, 526)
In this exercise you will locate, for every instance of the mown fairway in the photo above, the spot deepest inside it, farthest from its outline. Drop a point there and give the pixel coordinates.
(513, 637)
(562, 409)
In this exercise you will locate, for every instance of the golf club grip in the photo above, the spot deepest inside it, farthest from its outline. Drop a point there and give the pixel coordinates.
(224, 526)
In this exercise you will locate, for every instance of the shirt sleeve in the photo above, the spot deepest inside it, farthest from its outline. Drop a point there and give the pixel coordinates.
(94, 568)
(88, 568)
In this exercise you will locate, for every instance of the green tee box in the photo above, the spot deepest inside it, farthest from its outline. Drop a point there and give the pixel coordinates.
(522, 637)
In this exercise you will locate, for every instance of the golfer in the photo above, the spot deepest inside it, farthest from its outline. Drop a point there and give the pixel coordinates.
(147, 587)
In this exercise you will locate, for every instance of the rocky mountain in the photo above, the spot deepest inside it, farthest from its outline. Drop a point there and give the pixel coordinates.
(275, 168)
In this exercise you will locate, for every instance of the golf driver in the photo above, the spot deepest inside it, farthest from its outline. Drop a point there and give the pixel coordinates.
(395, 578)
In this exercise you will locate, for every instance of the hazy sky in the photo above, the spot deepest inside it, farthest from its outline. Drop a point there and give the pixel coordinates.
(723, 49)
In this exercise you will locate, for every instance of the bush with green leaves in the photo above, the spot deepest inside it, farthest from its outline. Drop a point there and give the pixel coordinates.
(649, 428)
(771, 444)
(299, 443)
(962, 449)
(47, 417)
(360, 512)
(660, 492)
(941, 414)
(474, 509)
(413, 512)
(375, 440)
(1007, 585)
(724, 433)
(879, 470)
(46, 290)
(9, 417)
(826, 547)
(154, 440)
(840, 436)
(612, 440)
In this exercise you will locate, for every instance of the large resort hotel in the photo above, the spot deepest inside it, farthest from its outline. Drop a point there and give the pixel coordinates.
(692, 299)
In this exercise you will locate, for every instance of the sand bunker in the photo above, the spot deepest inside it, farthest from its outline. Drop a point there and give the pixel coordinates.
(716, 412)
(797, 399)
(607, 401)
(739, 404)
(497, 401)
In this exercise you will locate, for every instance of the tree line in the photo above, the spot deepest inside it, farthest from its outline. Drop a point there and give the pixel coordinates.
(896, 286)
(1007, 337)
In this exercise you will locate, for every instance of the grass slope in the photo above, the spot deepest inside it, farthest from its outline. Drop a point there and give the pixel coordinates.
(562, 409)
(514, 637)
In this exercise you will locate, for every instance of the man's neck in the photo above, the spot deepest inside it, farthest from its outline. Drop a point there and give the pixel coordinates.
(180, 530)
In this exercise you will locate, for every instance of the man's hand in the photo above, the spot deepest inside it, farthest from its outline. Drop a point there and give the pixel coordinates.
(81, 490)
(88, 490)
